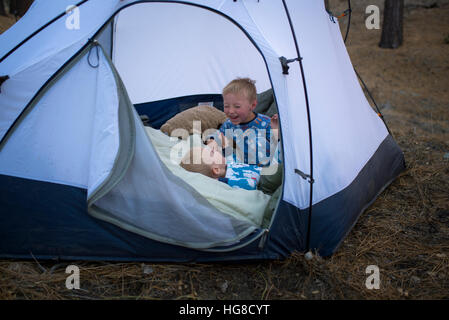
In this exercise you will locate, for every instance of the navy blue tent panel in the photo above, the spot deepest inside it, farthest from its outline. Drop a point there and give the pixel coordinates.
(50, 221)
(334, 217)
(161, 111)
(342, 210)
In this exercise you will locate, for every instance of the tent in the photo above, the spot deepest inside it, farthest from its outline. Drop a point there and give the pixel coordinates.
(79, 178)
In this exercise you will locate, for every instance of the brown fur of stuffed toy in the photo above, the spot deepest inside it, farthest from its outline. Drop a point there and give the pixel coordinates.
(210, 117)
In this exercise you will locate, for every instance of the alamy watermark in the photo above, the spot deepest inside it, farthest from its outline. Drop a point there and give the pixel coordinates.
(373, 280)
(73, 21)
(251, 146)
(73, 280)
(373, 19)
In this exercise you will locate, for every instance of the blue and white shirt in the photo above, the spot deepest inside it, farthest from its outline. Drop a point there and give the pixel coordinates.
(252, 140)
(240, 175)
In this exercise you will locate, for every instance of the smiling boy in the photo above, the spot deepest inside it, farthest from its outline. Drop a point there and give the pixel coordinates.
(250, 131)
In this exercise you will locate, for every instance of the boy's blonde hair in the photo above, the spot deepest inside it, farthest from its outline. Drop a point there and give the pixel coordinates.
(245, 85)
(192, 161)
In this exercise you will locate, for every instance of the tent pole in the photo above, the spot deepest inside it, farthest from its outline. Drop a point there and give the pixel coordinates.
(311, 180)
(37, 31)
(349, 19)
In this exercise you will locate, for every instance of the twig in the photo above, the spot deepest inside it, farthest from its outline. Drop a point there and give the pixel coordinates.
(39, 265)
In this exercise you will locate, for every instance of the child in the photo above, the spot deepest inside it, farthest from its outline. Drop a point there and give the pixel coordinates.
(211, 163)
(249, 131)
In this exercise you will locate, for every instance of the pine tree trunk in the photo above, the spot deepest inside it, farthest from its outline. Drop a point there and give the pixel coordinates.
(12, 7)
(20, 7)
(392, 27)
(2, 8)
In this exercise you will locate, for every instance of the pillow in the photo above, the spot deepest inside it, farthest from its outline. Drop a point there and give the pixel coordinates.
(264, 101)
(273, 109)
(210, 117)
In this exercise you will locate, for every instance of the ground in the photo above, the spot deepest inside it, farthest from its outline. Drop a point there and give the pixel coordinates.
(405, 232)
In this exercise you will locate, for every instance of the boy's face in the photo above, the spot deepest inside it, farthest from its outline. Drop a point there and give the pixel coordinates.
(238, 108)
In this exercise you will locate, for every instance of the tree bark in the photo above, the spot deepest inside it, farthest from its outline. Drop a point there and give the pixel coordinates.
(392, 26)
(20, 7)
(326, 5)
(2, 8)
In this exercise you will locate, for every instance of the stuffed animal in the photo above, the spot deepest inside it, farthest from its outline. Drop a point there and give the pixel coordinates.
(209, 117)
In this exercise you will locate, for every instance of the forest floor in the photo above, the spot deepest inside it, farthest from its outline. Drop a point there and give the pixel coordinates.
(405, 232)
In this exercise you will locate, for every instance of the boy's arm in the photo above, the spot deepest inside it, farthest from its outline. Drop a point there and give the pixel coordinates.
(222, 141)
(244, 183)
(243, 176)
(272, 138)
(275, 127)
(214, 140)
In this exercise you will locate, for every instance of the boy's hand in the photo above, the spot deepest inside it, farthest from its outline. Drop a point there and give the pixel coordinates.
(218, 146)
(275, 126)
(275, 121)
(211, 143)
(224, 141)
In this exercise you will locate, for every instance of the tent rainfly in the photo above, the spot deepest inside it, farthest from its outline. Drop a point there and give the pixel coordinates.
(79, 178)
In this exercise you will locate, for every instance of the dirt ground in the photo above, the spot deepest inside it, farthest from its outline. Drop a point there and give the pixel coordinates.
(405, 232)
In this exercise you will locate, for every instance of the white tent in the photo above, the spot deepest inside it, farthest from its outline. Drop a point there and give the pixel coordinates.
(67, 121)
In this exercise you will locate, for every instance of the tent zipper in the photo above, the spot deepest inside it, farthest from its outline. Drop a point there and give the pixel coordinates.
(262, 235)
(263, 239)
